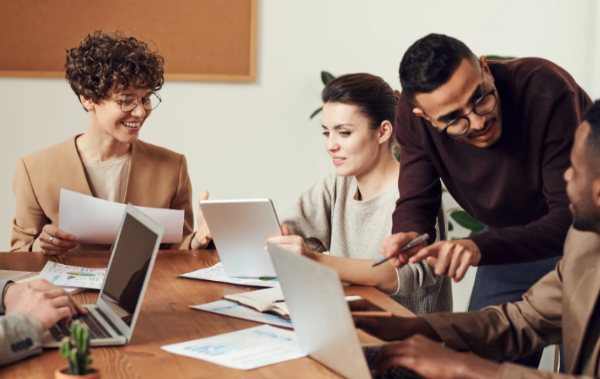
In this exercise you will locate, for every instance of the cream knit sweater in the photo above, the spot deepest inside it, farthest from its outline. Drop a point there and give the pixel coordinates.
(330, 220)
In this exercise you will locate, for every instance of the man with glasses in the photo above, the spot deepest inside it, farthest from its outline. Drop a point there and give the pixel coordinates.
(116, 79)
(498, 135)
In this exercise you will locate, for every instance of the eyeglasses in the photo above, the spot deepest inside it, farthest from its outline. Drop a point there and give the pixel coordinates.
(128, 104)
(483, 106)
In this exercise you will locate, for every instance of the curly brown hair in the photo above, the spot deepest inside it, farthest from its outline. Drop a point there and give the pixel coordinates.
(106, 62)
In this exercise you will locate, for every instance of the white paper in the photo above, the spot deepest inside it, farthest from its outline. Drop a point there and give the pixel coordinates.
(93, 220)
(243, 350)
(73, 276)
(216, 273)
(233, 309)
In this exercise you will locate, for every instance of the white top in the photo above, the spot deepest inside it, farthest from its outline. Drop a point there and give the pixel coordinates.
(108, 179)
(329, 219)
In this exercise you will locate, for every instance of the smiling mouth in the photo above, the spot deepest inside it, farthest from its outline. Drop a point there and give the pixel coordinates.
(132, 125)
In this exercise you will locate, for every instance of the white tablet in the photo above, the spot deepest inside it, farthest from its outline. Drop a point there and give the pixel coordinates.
(240, 229)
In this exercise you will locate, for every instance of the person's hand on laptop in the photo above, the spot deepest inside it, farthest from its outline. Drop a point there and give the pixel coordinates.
(44, 301)
(291, 242)
(202, 237)
(53, 241)
(390, 328)
(432, 360)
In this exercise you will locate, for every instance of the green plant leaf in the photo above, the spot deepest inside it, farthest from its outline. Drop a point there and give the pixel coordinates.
(463, 219)
(450, 226)
(267, 278)
(315, 113)
(397, 152)
(498, 58)
(326, 77)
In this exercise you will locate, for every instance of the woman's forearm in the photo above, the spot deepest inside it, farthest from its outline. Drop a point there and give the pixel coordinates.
(360, 272)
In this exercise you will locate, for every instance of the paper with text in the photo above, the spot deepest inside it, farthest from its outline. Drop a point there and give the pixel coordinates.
(216, 273)
(73, 276)
(233, 309)
(243, 350)
(97, 221)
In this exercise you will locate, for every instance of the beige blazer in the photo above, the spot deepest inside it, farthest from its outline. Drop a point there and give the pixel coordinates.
(556, 309)
(157, 178)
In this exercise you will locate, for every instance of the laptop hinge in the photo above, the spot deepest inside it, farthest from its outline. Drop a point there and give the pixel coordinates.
(108, 321)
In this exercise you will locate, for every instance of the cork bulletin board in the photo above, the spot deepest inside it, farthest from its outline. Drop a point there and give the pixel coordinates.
(201, 40)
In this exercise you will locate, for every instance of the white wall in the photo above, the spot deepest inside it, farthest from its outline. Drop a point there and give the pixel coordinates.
(255, 140)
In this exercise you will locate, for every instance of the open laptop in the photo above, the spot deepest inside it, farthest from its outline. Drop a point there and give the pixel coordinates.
(240, 229)
(321, 317)
(112, 319)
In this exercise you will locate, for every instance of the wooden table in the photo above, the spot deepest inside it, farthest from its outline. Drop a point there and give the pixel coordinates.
(166, 318)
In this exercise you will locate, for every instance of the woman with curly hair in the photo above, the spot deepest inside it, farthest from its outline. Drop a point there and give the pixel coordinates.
(116, 79)
(349, 212)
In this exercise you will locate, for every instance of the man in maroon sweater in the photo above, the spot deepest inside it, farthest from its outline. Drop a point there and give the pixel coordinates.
(498, 134)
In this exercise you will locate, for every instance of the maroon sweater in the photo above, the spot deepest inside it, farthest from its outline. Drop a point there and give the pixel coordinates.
(515, 186)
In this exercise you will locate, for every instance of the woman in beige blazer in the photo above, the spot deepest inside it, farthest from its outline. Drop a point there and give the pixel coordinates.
(116, 79)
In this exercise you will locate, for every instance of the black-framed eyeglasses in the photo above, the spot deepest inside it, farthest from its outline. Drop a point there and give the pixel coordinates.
(149, 102)
(483, 106)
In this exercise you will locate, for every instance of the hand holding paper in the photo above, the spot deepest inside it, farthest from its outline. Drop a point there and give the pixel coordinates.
(97, 221)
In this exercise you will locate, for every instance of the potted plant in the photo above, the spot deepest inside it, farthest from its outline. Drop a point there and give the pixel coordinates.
(77, 351)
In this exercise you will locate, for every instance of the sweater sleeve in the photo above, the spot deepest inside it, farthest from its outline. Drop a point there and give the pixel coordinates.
(524, 243)
(310, 217)
(419, 182)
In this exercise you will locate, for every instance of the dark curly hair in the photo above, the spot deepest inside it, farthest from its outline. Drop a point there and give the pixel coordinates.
(107, 62)
(430, 62)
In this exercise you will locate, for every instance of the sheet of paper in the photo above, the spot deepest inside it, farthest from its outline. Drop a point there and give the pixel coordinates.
(94, 220)
(243, 350)
(73, 276)
(233, 309)
(216, 273)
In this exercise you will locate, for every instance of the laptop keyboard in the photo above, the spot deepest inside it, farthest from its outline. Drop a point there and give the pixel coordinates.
(397, 372)
(96, 330)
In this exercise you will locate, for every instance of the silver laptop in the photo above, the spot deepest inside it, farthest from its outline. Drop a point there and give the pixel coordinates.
(240, 229)
(321, 317)
(112, 319)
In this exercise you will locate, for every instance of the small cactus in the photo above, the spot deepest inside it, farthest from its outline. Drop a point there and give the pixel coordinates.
(77, 349)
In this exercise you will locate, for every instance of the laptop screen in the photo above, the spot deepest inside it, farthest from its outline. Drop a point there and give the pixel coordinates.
(127, 271)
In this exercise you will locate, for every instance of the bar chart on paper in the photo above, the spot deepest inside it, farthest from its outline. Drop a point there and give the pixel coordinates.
(245, 349)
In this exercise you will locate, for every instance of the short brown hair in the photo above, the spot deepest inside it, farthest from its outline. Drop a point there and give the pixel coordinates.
(105, 62)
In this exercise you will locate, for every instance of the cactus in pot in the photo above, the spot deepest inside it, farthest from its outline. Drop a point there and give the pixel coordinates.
(77, 351)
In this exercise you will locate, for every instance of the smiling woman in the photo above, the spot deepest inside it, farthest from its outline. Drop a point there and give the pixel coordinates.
(116, 79)
(349, 213)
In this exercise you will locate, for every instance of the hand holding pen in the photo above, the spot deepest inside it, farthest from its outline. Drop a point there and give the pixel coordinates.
(400, 247)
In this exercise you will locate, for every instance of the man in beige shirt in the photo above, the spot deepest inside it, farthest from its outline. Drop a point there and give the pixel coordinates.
(562, 307)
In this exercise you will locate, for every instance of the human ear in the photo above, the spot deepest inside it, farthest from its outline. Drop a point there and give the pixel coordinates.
(596, 193)
(485, 67)
(385, 131)
(420, 113)
(87, 103)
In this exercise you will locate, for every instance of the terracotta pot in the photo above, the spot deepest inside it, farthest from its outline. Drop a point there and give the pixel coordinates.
(61, 373)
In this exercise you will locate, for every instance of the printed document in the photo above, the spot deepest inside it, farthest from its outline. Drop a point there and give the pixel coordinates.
(93, 220)
(233, 309)
(216, 273)
(243, 350)
(73, 276)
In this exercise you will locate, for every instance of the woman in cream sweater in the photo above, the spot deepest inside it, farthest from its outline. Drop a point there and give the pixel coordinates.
(349, 213)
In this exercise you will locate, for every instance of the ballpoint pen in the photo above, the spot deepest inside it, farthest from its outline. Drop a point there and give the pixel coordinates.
(409, 245)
